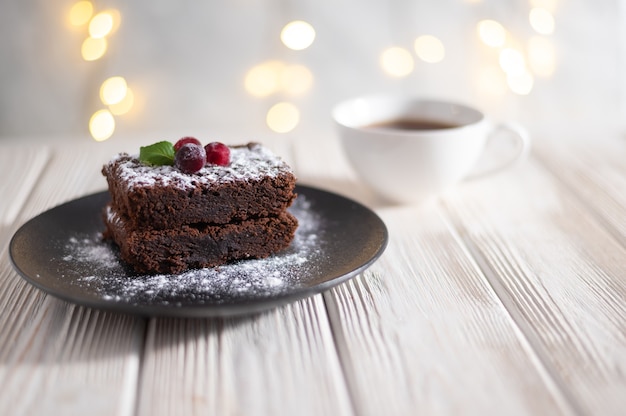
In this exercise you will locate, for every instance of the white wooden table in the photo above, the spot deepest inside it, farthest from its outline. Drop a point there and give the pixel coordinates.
(504, 297)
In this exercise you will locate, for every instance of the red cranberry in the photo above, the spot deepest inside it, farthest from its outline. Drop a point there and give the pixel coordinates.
(217, 153)
(186, 140)
(190, 158)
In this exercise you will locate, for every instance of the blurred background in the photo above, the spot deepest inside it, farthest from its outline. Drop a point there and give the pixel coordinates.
(104, 69)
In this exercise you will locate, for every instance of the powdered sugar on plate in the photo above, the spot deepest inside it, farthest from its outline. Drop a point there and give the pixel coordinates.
(102, 271)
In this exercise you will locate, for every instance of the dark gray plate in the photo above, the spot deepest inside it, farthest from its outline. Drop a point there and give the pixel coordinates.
(62, 253)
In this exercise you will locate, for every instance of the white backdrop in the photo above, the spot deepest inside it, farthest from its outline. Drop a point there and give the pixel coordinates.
(187, 60)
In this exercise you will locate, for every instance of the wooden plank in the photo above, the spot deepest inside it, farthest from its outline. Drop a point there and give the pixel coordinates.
(282, 362)
(70, 360)
(58, 358)
(421, 331)
(21, 166)
(560, 274)
(595, 172)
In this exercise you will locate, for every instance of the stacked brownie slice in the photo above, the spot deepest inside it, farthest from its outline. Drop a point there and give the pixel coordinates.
(167, 221)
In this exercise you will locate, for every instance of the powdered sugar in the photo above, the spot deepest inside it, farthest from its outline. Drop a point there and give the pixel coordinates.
(102, 272)
(87, 250)
(251, 162)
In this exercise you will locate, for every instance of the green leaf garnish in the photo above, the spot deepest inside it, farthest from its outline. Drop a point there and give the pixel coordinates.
(161, 153)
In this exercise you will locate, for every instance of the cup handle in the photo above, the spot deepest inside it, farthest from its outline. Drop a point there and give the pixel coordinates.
(522, 138)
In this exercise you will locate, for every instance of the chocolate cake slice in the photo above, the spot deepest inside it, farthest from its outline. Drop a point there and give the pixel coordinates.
(165, 220)
(255, 184)
(199, 245)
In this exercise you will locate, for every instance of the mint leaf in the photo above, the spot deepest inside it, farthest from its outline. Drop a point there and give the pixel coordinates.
(161, 153)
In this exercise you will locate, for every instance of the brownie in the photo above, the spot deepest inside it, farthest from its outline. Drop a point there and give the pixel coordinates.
(167, 221)
(255, 184)
(199, 245)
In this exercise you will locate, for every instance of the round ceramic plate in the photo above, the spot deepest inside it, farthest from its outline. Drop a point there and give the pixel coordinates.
(62, 252)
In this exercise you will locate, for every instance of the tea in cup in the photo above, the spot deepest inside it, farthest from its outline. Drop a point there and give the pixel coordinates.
(410, 149)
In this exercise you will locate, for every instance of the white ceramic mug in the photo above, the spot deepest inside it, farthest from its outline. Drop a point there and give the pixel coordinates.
(413, 164)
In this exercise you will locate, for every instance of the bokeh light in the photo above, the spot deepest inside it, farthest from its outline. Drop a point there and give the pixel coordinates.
(80, 13)
(101, 25)
(275, 76)
(101, 125)
(113, 90)
(397, 61)
(512, 62)
(116, 18)
(491, 33)
(297, 35)
(93, 48)
(283, 117)
(264, 79)
(521, 84)
(295, 79)
(125, 105)
(541, 56)
(429, 49)
(541, 20)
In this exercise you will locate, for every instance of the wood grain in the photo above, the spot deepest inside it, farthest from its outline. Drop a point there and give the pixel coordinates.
(279, 363)
(559, 272)
(70, 360)
(506, 296)
(58, 358)
(22, 166)
(595, 173)
(421, 331)
(282, 362)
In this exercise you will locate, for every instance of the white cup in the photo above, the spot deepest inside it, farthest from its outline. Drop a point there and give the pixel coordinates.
(412, 164)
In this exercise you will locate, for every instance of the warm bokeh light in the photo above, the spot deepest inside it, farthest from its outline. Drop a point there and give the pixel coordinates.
(397, 61)
(116, 17)
(101, 125)
(274, 76)
(283, 117)
(101, 25)
(93, 48)
(541, 56)
(297, 35)
(80, 13)
(125, 105)
(429, 49)
(542, 21)
(113, 90)
(521, 84)
(264, 79)
(295, 79)
(512, 62)
(491, 33)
